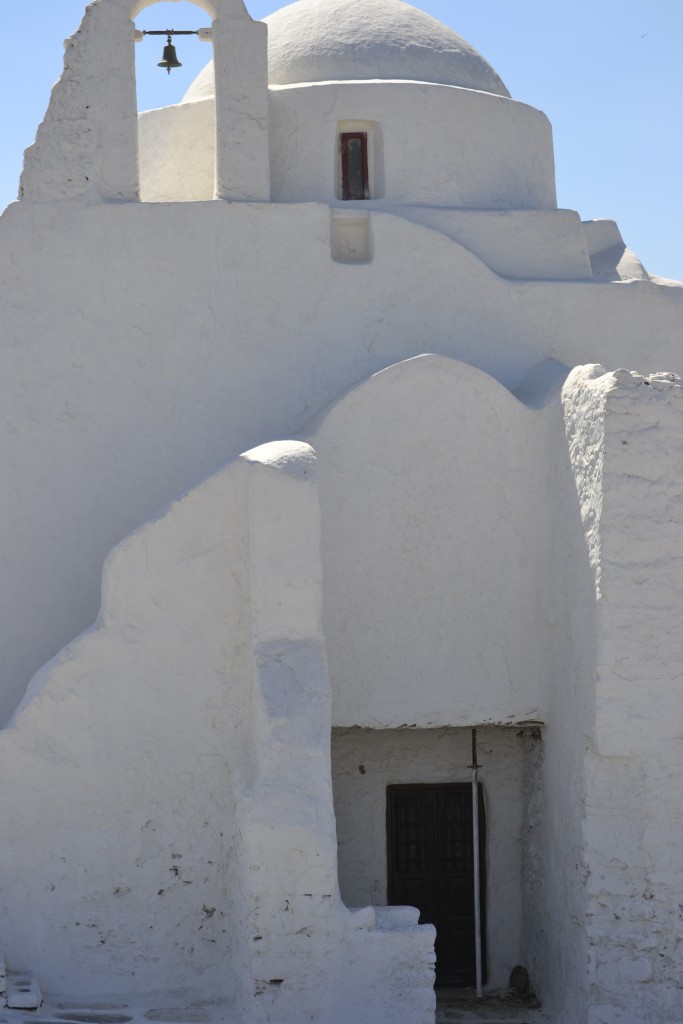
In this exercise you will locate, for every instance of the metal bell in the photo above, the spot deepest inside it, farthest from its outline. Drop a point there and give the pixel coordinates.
(170, 58)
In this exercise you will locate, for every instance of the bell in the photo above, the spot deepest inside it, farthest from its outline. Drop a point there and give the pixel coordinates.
(170, 58)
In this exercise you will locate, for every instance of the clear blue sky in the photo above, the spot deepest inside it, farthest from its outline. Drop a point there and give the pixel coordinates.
(608, 73)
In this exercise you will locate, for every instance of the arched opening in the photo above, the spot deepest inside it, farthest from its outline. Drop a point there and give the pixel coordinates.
(176, 140)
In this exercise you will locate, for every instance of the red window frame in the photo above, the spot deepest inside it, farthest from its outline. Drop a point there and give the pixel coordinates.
(344, 140)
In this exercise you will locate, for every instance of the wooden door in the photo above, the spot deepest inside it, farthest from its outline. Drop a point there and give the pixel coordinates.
(431, 866)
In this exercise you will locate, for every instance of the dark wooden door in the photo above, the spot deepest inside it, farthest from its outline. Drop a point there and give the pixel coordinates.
(431, 866)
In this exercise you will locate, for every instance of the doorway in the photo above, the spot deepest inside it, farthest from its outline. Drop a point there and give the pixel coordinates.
(430, 862)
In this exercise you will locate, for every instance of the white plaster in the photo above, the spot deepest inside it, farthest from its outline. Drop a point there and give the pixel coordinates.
(611, 259)
(177, 153)
(431, 487)
(328, 964)
(23, 992)
(393, 918)
(557, 948)
(86, 147)
(281, 577)
(189, 348)
(542, 384)
(120, 752)
(468, 550)
(507, 162)
(542, 245)
(624, 432)
(363, 39)
(351, 239)
(601, 235)
(210, 628)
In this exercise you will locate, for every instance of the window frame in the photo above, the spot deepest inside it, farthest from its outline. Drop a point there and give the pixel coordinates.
(344, 138)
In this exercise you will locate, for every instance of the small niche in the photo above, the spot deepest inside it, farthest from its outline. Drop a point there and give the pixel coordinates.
(367, 136)
(351, 238)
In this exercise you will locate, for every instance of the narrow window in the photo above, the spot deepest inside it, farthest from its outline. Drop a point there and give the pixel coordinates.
(354, 165)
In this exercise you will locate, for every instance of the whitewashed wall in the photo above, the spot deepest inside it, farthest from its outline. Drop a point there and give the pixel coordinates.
(87, 146)
(132, 369)
(624, 431)
(177, 153)
(540, 245)
(366, 761)
(433, 144)
(440, 144)
(167, 790)
(432, 487)
(142, 346)
(122, 769)
(553, 835)
(602, 828)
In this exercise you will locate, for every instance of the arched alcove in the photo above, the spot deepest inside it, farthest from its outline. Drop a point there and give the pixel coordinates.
(86, 147)
(176, 141)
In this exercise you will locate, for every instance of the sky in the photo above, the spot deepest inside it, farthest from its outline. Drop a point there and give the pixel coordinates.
(608, 73)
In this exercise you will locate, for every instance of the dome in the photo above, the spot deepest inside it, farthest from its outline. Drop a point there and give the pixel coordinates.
(360, 40)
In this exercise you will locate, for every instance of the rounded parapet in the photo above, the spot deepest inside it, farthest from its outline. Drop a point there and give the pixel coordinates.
(362, 40)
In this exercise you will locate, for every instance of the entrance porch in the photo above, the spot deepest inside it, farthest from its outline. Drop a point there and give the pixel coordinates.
(404, 826)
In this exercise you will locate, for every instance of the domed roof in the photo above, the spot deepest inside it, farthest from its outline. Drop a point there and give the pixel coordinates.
(360, 40)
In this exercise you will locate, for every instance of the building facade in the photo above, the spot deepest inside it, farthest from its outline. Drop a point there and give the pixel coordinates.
(326, 315)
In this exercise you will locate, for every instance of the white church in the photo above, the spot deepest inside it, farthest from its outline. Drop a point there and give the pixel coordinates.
(330, 444)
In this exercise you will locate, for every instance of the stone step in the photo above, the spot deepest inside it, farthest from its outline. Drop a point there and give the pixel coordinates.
(23, 992)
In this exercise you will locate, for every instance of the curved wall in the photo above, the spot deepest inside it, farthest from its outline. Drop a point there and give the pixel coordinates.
(433, 144)
(177, 153)
(441, 144)
(361, 39)
(431, 490)
(143, 344)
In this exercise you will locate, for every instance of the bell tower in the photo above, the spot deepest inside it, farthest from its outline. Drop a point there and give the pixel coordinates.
(86, 148)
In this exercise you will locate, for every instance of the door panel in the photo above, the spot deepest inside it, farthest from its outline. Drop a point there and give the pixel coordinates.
(431, 866)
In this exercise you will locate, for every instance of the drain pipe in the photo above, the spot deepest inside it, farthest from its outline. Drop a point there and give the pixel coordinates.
(477, 875)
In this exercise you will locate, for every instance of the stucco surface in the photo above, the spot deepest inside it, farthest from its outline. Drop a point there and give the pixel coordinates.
(365, 39)
(553, 840)
(177, 757)
(116, 740)
(624, 431)
(87, 146)
(468, 547)
(431, 484)
(507, 162)
(171, 358)
(535, 244)
(177, 153)
(416, 151)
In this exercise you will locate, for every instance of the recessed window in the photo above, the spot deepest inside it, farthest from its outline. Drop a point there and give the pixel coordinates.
(355, 182)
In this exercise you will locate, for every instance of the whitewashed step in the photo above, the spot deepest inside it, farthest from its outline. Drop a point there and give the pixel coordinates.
(23, 992)
(3, 975)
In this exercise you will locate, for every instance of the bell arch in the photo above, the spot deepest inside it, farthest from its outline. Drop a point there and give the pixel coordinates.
(86, 148)
(207, 6)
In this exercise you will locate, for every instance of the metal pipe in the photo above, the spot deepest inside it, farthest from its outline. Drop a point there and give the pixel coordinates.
(477, 875)
(171, 32)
